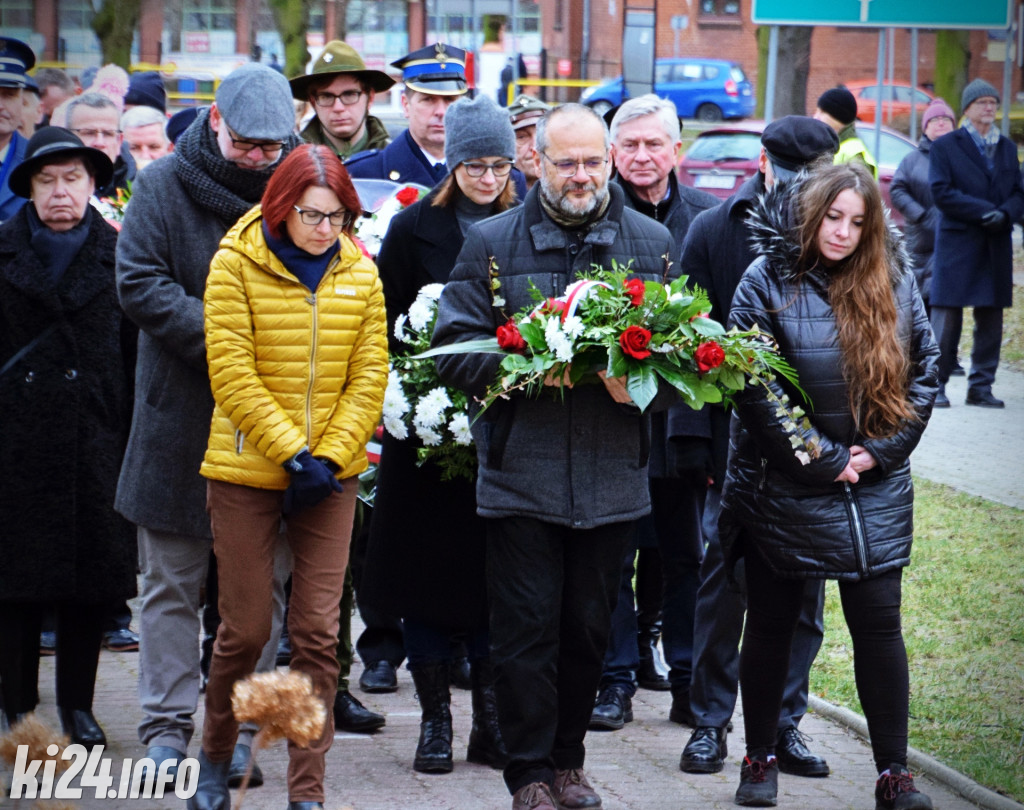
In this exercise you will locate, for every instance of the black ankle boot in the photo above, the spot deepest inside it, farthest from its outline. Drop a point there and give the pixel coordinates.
(433, 688)
(485, 744)
(212, 790)
(652, 672)
(81, 727)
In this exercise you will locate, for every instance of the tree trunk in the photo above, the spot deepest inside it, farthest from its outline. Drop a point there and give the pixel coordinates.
(115, 25)
(952, 61)
(793, 65)
(340, 20)
(292, 18)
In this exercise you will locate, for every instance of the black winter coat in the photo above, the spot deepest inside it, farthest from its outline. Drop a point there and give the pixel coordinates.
(425, 558)
(803, 523)
(716, 253)
(66, 409)
(578, 460)
(680, 436)
(911, 194)
(973, 266)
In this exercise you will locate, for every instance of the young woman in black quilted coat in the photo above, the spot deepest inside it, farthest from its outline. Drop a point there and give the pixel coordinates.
(834, 287)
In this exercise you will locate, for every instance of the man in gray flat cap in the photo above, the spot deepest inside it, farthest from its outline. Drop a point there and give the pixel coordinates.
(181, 207)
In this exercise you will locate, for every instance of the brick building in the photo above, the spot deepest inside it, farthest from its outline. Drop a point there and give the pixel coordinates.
(218, 34)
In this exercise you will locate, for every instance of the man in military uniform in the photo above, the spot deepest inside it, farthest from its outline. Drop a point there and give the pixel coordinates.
(524, 112)
(15, 59)
(434, 77)
(341, 90)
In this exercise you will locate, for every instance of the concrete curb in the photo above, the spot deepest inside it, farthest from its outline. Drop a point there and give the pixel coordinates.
(918, 761)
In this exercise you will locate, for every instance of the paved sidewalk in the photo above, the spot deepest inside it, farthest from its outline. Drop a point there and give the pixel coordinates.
(633, 769)
(973, 449)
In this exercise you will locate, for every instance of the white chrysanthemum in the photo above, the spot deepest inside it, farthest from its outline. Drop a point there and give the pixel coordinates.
(395, 403)
(429, 436)
(431, 291)
(573, 326)
(459, 426)
(396, 427)
(420, 313)
(400, 327)
(558, 341)
(430, 408)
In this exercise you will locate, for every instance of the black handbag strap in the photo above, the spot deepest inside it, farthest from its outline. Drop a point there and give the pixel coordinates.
(49, 330)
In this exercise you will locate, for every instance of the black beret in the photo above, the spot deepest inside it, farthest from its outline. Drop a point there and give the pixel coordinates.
(794, 141)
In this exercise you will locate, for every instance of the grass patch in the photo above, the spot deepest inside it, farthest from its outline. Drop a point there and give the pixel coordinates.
(963, 622)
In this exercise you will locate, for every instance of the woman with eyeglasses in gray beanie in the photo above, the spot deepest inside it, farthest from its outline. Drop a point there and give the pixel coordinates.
(425, 557)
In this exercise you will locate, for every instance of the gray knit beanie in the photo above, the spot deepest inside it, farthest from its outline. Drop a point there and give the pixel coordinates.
(979, 88)
(476, 128)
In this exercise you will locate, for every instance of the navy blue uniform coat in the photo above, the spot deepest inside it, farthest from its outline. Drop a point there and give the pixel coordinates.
(973, 266)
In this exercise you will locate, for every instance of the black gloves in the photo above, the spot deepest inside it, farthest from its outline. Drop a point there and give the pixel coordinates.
(994, 220)
(312, 481)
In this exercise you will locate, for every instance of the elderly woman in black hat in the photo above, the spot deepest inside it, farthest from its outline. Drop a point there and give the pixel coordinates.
(66, 367)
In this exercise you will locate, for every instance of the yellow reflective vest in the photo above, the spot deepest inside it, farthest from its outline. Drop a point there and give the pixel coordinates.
(855, 149)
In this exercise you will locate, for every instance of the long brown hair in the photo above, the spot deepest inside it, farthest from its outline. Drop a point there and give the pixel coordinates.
(876, 365)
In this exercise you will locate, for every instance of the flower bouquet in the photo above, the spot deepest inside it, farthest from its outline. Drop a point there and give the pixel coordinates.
(112, 208)
(642, 331)
(418, 404)
(381, 200)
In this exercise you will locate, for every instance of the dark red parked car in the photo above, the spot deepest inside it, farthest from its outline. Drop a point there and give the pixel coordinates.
(721, 158)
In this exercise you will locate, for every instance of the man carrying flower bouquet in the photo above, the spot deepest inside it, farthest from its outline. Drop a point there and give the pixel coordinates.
(562, 472)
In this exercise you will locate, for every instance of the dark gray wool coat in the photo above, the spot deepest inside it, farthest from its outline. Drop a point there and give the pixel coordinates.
(803, 523)
(65, 408)
(578, 461)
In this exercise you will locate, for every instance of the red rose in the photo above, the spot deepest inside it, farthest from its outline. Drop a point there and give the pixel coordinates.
(708, 356)
(407, 196)
(634, 342)
(635, 290)
(509, 338)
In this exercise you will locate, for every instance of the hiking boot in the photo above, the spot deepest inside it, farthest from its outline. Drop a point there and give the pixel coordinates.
(895, 791)
(572, 790)
(759, 780)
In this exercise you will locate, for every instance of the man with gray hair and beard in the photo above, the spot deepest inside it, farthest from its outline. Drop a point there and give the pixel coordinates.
(562, 479)
(180, 209)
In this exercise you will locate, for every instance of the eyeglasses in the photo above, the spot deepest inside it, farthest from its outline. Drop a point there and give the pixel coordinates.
(339, 219)
(567, 168)
(480, 169)
(268, 148)
(347, 97)
(92, 133)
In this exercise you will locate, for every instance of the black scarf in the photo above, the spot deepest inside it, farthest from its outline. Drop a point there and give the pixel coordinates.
(56, 249)
(214, 182)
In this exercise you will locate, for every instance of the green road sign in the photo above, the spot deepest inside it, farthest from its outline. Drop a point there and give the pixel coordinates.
(885, 13)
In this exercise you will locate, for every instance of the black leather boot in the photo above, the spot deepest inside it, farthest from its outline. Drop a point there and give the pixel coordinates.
(212, 789)
(433, 689)
(652, 672)
(485, 744)
(81, 727)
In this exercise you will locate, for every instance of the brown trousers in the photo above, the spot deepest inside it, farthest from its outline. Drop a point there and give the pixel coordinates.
(246, 523)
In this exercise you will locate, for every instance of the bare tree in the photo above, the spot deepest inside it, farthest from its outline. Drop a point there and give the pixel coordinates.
(115, 25)
(794, 64)
(340, 20)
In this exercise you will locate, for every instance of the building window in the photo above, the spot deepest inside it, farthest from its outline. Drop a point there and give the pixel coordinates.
(209, 15)
(720, 8)
(16, 14)
(73, 14)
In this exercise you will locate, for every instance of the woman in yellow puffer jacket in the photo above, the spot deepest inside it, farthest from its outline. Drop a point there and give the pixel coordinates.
(297, 351)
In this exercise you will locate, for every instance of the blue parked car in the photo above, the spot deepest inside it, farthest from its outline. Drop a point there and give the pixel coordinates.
(705, 89)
